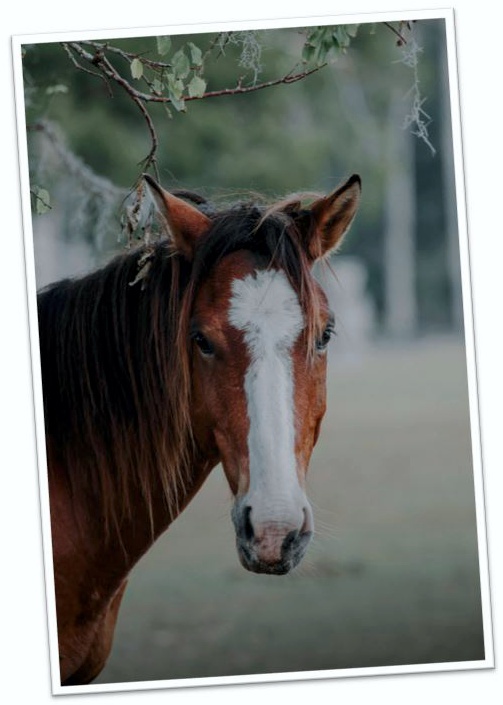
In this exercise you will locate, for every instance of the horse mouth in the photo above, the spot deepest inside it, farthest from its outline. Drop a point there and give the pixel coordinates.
(292, 552)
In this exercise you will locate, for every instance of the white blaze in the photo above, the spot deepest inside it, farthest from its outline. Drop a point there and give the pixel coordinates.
(265, 307)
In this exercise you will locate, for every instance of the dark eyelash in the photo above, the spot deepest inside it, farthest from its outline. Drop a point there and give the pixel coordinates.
(202, 343)
(323, 341)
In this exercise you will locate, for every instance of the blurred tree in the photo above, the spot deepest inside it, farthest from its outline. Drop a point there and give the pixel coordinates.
(399, 235)
(281, 111)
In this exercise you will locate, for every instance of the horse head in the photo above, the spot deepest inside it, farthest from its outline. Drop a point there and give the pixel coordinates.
(257, 334)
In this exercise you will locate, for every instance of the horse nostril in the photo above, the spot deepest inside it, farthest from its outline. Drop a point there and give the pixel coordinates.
(290, 539)
(247, 525)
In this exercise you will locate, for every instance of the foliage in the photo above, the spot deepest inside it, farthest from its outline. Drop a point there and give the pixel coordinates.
(172, 72)
(273, 111)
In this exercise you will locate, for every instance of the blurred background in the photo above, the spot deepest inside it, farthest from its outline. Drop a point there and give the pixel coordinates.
(392, 574)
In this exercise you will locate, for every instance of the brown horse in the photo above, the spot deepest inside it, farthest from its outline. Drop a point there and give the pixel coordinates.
(207, 347)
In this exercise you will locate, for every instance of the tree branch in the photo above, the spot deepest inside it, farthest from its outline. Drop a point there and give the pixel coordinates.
(99, 59)
(128, 56)
(83, 68)
(239, 89)
(109, 73)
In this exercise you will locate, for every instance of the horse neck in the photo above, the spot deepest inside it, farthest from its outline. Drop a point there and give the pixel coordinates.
(116, 399)
(138, 532)
(79, 539)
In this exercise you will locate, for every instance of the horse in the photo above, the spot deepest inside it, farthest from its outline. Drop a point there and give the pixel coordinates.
(208, 346)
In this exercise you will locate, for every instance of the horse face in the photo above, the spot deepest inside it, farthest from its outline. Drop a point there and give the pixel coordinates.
(258, 392)
(262, 394)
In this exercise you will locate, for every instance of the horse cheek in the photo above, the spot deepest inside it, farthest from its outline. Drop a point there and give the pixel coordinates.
(202, 417)
(310, 407)
(231, 429)
(320, 401)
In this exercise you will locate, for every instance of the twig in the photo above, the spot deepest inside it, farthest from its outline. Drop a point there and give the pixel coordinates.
(150, 159)
(129, 56)
(212, 45)
(239, 89)
(400, 36)
(83, 68)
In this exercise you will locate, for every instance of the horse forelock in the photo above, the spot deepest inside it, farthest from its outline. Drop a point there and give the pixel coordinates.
(276, 236)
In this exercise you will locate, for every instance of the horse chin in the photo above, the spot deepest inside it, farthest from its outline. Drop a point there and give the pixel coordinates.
(268, 569)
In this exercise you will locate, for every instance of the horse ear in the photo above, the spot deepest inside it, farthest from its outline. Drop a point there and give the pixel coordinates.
(331, 217)
(184, 222)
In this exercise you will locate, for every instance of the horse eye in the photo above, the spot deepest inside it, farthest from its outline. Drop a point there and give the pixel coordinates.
(203, 344)
(323, 341)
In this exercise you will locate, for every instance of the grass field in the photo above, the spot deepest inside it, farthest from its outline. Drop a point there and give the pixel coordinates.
(392, 574)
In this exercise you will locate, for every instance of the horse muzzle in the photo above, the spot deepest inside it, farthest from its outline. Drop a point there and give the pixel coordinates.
(275, 546)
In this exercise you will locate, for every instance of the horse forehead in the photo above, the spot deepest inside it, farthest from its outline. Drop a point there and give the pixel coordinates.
(214, 292)
(263, 303)
(244, 293)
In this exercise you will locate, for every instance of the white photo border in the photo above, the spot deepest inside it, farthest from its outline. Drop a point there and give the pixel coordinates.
(180, 29)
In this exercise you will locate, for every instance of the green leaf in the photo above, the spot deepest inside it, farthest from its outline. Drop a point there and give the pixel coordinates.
(175, 86)
(136, 68)
(341, 36)
(352, 29)
(178, 104)
(163, 45)
(181, 64)
(196, 54)
(308, 51)
(315, 36)
(157, 86)
(321, 51)
(42, 200)
(197, 87)
(175, 92)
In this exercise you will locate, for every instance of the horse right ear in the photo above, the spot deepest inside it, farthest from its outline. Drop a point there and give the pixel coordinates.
(185, 223)
(331, 217)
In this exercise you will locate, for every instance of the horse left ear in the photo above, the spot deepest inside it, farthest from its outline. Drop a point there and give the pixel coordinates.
(184, 222)
(331, 217)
